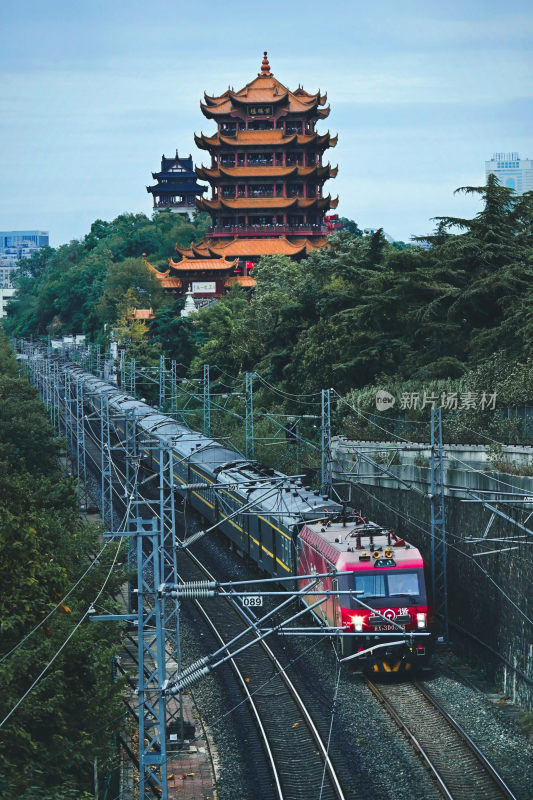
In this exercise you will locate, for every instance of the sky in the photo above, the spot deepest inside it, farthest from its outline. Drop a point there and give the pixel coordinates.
(422, 93)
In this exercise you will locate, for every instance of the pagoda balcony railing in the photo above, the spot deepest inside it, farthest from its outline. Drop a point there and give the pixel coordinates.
(241, 195)
(261, 162)
(257, 193)
(272, 230)
(176, 204)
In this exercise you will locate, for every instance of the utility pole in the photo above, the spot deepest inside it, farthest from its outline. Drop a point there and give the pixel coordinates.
(207, 401)
(249, 416)
(98, 360)
(150, 656)
(438, 522)
(161, 381)
(173, 386)
(133, 387)
(81, 467)
(325, 443)
(106, 464)
(170, 608)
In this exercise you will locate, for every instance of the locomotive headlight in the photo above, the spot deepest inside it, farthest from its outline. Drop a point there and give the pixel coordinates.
(357, 624)
(421, 619)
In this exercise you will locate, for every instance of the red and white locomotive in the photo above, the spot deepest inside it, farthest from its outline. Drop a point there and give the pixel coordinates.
(389, 602)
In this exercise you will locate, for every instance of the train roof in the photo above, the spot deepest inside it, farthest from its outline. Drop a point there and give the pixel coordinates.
(276, 495)
(351, 545)
(191, 444)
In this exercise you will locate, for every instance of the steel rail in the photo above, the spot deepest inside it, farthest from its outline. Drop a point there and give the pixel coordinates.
(251, 702)
(391, 705)
(281, 672)
(475, 749)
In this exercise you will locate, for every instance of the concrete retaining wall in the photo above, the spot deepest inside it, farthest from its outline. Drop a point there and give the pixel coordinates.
(491, 593)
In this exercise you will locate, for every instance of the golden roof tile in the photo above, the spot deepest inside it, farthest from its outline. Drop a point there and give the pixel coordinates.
(143, 313)
(272, 137)
(172, 283)
(188, 264)
(241, 173)
(257, 247)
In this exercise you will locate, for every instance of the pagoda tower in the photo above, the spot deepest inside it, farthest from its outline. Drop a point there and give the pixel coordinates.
(267, 178)
(176, 188)
(266, 170)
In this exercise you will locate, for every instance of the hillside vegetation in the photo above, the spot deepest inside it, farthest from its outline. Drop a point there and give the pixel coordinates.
(48, 579)
(358, 316)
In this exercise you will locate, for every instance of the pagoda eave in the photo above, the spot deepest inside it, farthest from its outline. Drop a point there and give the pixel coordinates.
(206, 265)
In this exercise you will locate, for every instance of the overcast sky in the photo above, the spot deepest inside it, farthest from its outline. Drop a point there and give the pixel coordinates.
(93, 92)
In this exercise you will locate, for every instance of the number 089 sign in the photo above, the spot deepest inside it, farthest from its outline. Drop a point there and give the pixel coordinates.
(252, 601)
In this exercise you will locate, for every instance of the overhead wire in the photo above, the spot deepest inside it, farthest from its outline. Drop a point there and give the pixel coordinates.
(470, 468)
(63, 645)
(61, 602)
(338, 668)
(362, 414)
(427, 532)
(76, 627)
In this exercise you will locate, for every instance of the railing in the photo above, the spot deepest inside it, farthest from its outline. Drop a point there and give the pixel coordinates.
(233, 196)
(179, 204)
(261, 162)
(272, 230)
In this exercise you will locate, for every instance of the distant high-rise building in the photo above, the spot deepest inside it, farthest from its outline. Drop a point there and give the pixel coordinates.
(512, 171)
(14, 246)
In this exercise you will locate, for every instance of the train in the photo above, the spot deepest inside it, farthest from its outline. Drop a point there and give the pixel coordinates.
(378, 591)
(293, 531)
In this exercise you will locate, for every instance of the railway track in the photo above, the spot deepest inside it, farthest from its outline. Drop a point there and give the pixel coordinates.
(298, 754)
(295, 755)
(460, 768)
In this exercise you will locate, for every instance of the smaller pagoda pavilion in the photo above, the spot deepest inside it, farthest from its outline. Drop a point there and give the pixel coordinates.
(206, 278)
(176, 188)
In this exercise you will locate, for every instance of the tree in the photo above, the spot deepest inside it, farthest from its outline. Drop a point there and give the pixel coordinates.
(46, 549)
(175, 335)
(350, 226)
(128, 276)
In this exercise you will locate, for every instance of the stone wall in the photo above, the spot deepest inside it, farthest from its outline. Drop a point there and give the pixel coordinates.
(486, 592)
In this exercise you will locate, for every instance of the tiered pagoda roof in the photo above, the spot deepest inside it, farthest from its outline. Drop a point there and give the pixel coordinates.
(176, 188)
(239, 247)
(266, 89)
(258, 138)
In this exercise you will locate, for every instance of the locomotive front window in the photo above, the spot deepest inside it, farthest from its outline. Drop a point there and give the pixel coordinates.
(404, 584)
(371, 585)
(387, 584)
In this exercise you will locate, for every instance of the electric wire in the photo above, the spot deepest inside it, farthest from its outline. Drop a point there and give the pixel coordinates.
(427, 532)
(61, 648)
(71, 634)
(61, 602)
(330, 731)
(362, 414)
(470, 468)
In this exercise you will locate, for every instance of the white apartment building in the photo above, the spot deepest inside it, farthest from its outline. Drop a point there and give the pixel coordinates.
(512, 171)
